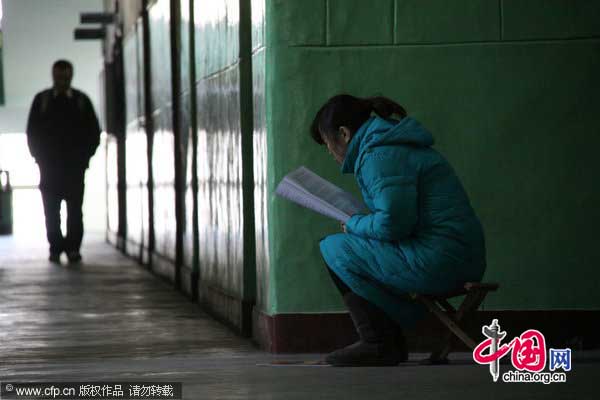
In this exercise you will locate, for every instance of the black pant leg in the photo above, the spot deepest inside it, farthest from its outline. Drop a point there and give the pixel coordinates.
(51, 201)
(370, 321)
(342, 287)
(74, 201)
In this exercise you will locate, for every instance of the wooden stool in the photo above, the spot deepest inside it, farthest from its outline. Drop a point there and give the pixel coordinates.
(452, 318)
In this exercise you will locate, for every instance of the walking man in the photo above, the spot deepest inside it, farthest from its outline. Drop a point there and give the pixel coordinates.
(63, 134)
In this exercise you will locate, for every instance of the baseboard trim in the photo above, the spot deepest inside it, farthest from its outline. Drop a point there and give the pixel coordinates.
(112, 238)
(163, 267)
(302, 333)
(321, 333)
(189, 283)
(134, 250)
(226, 308)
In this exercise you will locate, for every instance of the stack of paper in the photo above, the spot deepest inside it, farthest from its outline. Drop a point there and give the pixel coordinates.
(309, 190)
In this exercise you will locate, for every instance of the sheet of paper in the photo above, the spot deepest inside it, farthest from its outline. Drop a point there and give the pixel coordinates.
(309, 190)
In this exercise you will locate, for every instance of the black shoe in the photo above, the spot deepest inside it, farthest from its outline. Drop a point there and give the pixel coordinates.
(54, 258)
(74, 257)
(381, 341)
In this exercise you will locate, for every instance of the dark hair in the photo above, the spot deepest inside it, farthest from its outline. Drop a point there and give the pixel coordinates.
(351, 112)
(63, 64)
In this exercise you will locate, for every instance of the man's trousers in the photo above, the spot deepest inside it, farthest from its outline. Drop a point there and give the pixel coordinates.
(52, 197)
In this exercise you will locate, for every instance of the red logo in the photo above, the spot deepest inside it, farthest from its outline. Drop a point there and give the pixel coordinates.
(528, 350)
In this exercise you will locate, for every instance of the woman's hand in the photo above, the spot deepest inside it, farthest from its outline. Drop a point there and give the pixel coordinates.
(343, 226)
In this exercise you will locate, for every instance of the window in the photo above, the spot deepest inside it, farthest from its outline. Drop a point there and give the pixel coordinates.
(28, 214)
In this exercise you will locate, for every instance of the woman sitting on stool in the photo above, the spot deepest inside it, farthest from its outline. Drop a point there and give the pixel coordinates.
(421, 234)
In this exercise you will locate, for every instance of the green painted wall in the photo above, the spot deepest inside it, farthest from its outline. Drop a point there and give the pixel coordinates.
(510, 91)
(260, 155)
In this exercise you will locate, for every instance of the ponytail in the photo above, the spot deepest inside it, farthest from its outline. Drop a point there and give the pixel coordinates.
(385, 107)
(351, 112)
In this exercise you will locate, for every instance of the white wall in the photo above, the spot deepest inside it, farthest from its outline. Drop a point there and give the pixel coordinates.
(36, 33)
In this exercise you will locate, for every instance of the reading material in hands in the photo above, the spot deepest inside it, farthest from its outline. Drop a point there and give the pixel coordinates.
(305, 188)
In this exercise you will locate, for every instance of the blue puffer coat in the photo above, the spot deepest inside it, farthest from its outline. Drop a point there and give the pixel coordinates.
(421, 235)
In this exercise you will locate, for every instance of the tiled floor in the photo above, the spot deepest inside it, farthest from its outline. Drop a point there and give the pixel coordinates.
(111, 320)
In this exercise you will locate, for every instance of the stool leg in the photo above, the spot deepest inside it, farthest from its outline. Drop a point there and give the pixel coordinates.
(440, 356)
(471, 302)
(447, 306)
(468, 306)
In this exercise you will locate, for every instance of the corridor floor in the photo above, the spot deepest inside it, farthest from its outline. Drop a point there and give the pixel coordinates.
(111, 320)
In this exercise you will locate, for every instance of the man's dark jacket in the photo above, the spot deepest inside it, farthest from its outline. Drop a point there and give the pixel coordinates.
(62, 133)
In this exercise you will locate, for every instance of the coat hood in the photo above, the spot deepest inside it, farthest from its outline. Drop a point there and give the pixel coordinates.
(378, 131)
